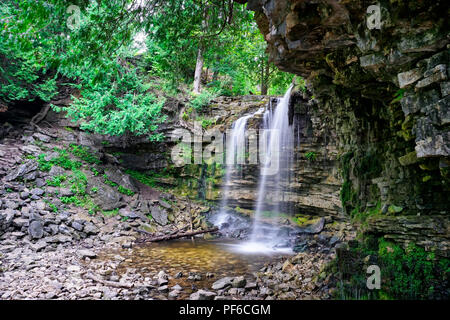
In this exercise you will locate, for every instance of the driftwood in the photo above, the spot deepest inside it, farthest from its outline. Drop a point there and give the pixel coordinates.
(177, 235)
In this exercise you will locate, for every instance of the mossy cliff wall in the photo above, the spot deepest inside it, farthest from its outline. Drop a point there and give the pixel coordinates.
(385, 93)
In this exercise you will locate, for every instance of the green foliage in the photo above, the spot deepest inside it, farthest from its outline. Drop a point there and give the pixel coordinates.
(398, 95)
(72, 200)
(113, 83)
(206, 122)
(36, 52)
(201, 100)
(56, 181)
(148, 180)
(311, 156)
(79, 182)
(84, 154)
(111, 213)
(52, 206)
(410, 273)
(109, 182)
(125, 191)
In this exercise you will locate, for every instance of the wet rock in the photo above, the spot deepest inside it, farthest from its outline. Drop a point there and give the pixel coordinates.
(13, 205)
(39, 245)
(91, 229)
(73, 268)
(177, 287)
(121, 179)
(251, 286)
(239, 282)
(165, 204)
(174, 293)
(222, 283)
(409, 77)
(65, 192)
(77, 226)
(203, 295)
(163, 288)
(42, 137)
(313, 228)
(127, 245)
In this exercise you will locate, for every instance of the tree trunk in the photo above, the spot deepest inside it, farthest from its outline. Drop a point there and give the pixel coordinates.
(198, 69)
(264, 78)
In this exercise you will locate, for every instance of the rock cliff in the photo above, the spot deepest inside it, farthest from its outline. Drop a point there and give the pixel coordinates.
(379, 73)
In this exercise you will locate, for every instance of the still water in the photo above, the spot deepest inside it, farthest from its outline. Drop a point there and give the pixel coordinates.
(218, 257)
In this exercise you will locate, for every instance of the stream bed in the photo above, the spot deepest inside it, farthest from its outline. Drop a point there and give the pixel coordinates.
(208, 261)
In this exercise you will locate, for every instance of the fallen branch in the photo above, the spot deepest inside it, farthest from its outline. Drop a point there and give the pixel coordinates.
(177, 235)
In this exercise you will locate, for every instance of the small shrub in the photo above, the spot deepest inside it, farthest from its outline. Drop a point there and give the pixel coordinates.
(125, 191)
(57, 181)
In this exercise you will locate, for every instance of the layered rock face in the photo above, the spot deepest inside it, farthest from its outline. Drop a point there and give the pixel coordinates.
(379, 72)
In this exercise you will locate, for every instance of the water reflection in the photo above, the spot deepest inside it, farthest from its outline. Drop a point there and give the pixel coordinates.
(221, 258)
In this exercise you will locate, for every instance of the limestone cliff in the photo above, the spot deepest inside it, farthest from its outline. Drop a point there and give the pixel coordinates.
(383, 89)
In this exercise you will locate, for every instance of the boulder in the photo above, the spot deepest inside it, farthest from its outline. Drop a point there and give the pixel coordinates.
(106, 197)
(239, 282)
(27, 167)
(36, 229)
(203, 295)
(222, 283)
(159, 215)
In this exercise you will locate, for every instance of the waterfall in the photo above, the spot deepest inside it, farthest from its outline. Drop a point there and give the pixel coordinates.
(276, 144)
(278, 141)
(235, 155)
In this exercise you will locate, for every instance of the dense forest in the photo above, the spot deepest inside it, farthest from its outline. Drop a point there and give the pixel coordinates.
(124, 58)
(224, 150)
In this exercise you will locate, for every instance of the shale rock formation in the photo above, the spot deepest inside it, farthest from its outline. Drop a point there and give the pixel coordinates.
(382, 88)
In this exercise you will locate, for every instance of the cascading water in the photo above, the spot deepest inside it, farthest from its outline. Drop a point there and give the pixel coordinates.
(275, 168)
(275, 163)
(276, 159)
(235, 155)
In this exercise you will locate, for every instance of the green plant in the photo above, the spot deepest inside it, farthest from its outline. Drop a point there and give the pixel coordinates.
(56, 181)
(79, 182)
(52, 206)
(398, 95)
(72, 200)
(125, 191)
(201, 100)
(84, 154)
(109, 182)
(111, 213)
(94, 171)
(410, 273)
(311, 156)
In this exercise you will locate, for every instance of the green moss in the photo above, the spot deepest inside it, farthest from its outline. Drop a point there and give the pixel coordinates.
(410, 273)
(84, 153)
(125, 191)
(393, 209)
(408, 159)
